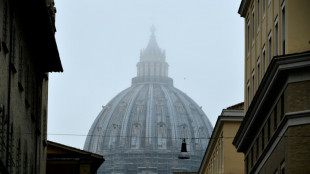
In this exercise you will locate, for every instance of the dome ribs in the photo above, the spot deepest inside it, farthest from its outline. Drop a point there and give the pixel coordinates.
(174, 132)
(124, 134)
(148, 117)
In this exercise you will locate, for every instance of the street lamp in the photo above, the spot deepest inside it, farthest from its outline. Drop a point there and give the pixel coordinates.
(183, 154)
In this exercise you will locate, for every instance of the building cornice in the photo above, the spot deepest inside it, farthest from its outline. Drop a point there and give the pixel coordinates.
(278, 75)
(243, 8)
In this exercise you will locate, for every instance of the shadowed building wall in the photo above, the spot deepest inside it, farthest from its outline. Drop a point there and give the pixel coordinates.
(28, 52)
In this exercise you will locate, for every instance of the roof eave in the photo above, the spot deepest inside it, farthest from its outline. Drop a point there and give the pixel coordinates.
(40, 33)
(243, 7)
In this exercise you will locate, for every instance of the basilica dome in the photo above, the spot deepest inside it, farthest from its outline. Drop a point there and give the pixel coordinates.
(141, 129)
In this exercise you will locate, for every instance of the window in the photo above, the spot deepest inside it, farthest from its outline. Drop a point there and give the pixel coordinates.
(275, 121)
(264, 8)
(264, 60)
(283, 167)
(276, 37)
(253, 84)
(253, 26)
(248, 94)
(269, 47)
(252, 157)
(263, 139)
(283, 28)
(257, 148)
(246, 164)
(282, 106)
(258, 15)
(248, 37)
(268, 129)
(258, 71)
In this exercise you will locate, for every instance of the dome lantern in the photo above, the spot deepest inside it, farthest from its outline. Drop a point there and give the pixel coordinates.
(152, 60)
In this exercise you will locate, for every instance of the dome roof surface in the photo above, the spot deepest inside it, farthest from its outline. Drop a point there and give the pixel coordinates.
(141, 129)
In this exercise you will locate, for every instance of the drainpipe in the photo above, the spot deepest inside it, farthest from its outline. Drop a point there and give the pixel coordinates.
(9, 85)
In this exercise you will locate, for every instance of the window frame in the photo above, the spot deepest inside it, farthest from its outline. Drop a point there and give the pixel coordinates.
(253, 26)
(248, 94)
(258, 71)
(270, 46)
(283, 27)
(276, 39)
(253, 84)
(282, 167)
(264, 8)
(258, 15)
(248, 38)
(264, 59)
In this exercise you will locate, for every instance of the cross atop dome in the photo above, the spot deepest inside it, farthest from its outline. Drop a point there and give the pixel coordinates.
(153, 29)
(152, 46)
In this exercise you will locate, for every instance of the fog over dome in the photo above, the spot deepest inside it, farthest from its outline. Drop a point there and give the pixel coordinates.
(141, 129)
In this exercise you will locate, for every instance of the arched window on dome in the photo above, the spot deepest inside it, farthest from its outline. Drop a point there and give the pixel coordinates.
(97, 133)
(114, 135)
(135, 136)
(180, 111)
(161, 136)
(160, 111)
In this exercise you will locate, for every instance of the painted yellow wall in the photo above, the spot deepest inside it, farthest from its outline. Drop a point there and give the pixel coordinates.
(298, 26)
(230, 161)
(233, 161)
(297, 36)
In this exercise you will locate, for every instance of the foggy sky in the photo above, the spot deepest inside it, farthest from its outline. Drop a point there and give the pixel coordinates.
(99, 42)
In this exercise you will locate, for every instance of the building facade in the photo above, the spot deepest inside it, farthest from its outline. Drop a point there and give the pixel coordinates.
(272, 28)
(141, 129)
(221, 156)
(28, 52)
(274, 135)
